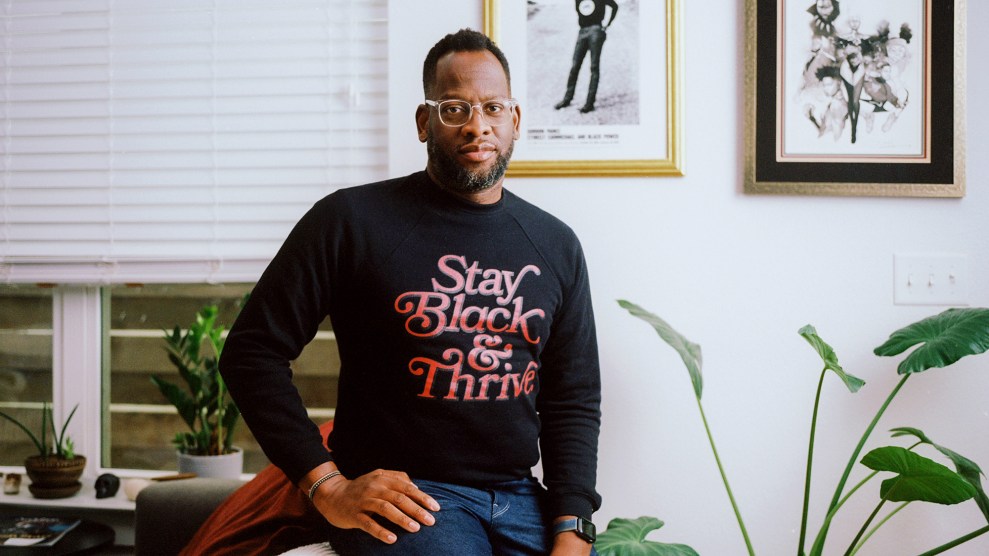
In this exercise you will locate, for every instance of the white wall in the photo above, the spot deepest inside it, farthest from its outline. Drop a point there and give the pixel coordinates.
(740, 275)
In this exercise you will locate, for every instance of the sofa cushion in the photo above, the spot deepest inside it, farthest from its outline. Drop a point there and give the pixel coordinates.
(169, 512)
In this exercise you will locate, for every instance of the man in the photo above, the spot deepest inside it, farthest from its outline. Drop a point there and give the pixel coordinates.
(467, 345)
(590, 38)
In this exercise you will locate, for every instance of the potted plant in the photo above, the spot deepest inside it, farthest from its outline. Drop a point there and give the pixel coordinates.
(204, 404)
(936, 342)
(55, 470)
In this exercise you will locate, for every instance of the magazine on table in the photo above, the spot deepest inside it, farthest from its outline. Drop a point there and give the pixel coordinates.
(34, 531)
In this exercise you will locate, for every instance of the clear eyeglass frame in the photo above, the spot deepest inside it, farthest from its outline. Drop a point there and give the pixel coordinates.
(495, 118)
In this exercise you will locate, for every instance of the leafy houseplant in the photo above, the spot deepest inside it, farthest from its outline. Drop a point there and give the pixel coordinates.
(55, 470)
(942, 340)
(204, 405)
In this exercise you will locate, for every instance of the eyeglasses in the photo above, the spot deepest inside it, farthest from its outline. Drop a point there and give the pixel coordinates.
(456, 113)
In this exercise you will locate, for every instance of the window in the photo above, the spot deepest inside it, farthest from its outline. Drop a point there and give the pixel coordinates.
(25, 365)
(171, 145)
(164, 142)
(141, 422)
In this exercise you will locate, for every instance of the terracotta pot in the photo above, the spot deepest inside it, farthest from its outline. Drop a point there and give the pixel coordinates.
(54, 477)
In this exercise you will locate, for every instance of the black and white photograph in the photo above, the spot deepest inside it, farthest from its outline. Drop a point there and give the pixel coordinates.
(587, 75)
(597, 82)
(854, 80)
(855, 98)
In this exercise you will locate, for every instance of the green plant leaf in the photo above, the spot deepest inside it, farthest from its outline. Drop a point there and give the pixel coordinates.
(185, 366)
(918, 478)
(205, 405)
(60, 446)
(830, 358)
(34, 439)
(689, 352)
(910, 431)
(47, 420)
(184, 404)
(627, 537)
(230, 416)
(946, 338)
(965, 467)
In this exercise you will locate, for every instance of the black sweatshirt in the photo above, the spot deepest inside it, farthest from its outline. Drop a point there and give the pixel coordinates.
(466, 339)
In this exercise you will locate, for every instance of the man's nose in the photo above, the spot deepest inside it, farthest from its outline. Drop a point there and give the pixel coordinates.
(476, 123)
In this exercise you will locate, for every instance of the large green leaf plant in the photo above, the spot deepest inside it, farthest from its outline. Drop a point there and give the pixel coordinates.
(204, 404)
(938, 341)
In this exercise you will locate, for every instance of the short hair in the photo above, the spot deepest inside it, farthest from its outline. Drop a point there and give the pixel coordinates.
(464, 40)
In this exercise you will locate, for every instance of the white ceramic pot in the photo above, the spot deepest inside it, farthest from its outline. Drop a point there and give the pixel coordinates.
(227, 466)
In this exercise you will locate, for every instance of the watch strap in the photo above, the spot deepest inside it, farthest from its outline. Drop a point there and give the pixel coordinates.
(584, 528)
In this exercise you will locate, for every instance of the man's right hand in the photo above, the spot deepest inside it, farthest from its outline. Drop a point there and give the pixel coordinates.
(352, 504)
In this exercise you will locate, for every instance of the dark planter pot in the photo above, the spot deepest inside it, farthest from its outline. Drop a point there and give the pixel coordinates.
(54, 477)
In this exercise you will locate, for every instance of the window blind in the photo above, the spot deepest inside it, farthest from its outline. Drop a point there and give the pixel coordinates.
(179, 141)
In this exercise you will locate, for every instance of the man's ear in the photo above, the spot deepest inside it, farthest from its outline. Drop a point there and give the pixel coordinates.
(518, 120)
(422, 122)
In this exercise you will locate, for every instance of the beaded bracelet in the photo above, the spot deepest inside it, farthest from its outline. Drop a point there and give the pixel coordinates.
(321, 480)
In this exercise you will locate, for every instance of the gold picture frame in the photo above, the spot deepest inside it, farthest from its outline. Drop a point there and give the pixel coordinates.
(895, 69)
(602, 148)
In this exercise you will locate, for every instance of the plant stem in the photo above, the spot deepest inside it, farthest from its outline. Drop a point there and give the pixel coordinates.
(724, 479)
(876, 528)
(859, 485)
(956, 542)
(865, 526)
(853, 490)
(885, 519)
(818, 547)
(810, 462)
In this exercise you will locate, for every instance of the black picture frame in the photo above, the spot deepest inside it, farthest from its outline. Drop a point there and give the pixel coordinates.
(937, 169)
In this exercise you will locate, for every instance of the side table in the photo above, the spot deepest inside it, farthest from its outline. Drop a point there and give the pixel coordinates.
(86, 538)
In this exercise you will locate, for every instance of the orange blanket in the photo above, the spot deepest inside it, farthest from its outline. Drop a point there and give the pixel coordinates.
(268, 515)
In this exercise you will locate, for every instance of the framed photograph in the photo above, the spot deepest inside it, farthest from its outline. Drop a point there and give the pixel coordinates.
(855, 97)
(598, 83)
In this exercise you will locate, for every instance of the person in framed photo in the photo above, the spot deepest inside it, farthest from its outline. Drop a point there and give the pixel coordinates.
(825, 104)
(823, 15)
(590, 39)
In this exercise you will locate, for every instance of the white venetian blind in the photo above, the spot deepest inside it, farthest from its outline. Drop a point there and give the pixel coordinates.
(179, 140)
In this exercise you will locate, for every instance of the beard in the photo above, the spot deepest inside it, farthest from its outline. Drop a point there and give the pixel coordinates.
(457, 178)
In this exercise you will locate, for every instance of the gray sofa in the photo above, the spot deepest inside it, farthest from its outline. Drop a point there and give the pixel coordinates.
(169, 513)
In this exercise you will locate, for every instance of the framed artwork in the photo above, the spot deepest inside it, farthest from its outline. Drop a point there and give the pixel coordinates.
(855, 97)
(598, 83)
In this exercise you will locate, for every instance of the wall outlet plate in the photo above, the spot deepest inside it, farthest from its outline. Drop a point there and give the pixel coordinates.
(931, 279)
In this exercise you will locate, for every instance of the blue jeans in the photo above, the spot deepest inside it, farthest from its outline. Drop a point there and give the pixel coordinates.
(505, 519)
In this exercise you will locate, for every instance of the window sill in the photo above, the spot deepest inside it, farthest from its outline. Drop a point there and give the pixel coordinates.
(85, 499)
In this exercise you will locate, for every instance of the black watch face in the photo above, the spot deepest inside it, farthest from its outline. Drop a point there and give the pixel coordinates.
(587, 530)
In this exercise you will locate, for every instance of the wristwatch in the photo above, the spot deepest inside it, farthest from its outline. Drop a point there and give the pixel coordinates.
(583, 527)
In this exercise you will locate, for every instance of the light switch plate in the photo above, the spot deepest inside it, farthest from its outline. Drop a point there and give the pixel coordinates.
(931, 279)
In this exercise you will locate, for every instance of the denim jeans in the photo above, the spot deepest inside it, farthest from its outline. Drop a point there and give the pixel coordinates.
(589, 39)
(505, 519)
